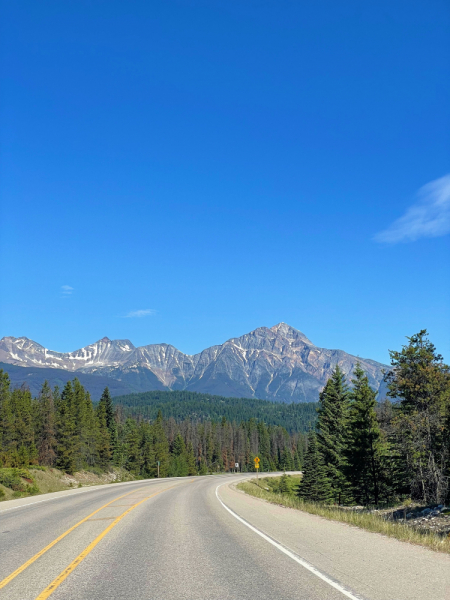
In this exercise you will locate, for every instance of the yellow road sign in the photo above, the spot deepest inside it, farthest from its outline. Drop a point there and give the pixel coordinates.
(257, 461)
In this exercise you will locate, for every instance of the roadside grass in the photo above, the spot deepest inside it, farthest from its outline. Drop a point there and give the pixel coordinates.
(364, 520)
(33, 480)
(49, 480)
(16, 483)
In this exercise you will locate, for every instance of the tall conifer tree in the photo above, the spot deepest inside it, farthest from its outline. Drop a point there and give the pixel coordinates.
(364, 450)
(315, 485)
(110, 418)
(161, 445)
(67, 442)
(103, 439)
(46, 427)
(331, 436)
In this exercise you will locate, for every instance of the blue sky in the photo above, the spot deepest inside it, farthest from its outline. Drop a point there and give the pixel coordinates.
(187, 171)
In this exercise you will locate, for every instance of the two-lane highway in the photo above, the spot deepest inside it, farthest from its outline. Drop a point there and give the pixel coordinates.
(199, 538)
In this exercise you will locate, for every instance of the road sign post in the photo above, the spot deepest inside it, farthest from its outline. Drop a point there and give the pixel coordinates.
(257, 461)
(158, 468)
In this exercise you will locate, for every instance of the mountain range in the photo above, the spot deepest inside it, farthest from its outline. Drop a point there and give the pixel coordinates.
(278, 363)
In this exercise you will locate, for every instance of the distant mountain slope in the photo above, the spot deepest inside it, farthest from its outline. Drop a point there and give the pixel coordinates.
(34, 377)
(278, 363)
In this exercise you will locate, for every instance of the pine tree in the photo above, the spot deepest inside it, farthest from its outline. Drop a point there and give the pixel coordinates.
(331, 436)
(315, 485)
(421, 381)
(364, 449)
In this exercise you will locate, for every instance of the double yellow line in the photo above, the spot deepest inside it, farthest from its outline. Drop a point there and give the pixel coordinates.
(64, 574)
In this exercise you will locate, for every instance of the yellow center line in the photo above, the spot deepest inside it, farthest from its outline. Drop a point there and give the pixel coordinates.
(74, 564)
(63, 535)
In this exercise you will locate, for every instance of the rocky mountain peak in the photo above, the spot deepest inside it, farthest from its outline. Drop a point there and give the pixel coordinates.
(277, 363)
(290, 333)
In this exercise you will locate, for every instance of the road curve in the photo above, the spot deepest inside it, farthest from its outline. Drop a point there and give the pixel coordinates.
(199, 538)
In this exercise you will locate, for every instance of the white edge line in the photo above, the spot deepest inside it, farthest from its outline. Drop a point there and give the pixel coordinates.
(76, 492)
(298, 559)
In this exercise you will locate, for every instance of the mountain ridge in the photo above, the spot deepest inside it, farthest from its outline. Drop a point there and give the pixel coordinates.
(278, 363)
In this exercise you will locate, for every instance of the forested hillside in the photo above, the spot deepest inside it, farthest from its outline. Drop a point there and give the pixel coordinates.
(64, 429)
(181, 405)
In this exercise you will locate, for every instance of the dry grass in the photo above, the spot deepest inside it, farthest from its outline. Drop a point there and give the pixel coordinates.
(52, 480)
(369, 521)
(49, 481)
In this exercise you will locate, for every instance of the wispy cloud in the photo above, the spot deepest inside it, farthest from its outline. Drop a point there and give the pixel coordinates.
(66, 290)
(428, 217)
(145, 312)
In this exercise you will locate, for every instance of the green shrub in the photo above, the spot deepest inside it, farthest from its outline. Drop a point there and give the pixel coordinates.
(2, 494)
(11, 478)
(32, 490)
(14, 479)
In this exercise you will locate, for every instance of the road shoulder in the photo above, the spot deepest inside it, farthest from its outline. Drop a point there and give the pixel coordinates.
(375, 566)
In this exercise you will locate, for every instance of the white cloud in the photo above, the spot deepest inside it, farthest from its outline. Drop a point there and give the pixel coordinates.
(428, 217)
(145, 312)
(66, 290)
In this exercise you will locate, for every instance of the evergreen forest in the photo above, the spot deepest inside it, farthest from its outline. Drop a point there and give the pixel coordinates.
(294, 417)
(366, 453)
(64, 429)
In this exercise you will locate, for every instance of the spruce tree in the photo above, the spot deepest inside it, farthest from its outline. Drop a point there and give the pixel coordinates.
(364, 448)
(298, 456)
(80, 415)
(161, 445)
(103, 438)
(23, 425)
(331, 437)
(7, 430)
(5, 414)
(147, 450)
(66, 434)
(287, 463)
(132, 447)
(46, 427)
(192, 469)
(315, 485)
(284, 486)
(110, 418)
(178, 461)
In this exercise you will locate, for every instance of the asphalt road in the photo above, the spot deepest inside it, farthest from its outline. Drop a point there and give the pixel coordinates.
(199, 538)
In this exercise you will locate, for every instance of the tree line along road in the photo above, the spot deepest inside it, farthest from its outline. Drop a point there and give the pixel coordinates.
(198, 538)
